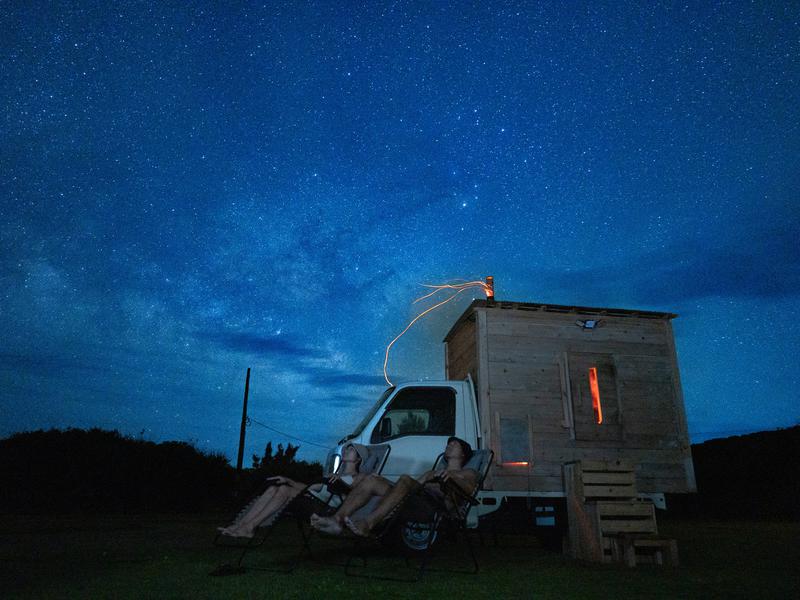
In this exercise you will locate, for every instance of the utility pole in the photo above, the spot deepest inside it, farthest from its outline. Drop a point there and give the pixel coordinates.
(244, 423)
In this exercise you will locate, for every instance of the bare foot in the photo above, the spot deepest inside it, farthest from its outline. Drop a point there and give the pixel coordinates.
(327, 525)
(358, 527)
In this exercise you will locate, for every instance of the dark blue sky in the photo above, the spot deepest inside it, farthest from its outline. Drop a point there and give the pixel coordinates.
(186, 192)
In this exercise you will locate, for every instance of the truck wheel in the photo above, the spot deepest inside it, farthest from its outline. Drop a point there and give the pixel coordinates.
(417, 536)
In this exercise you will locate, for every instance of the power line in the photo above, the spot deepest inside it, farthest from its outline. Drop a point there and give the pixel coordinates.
(293, 437)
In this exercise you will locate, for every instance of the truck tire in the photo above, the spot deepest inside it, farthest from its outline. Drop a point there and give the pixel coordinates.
(417, 537)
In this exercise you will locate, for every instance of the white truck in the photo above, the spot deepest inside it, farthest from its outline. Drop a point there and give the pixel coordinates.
(542, 385)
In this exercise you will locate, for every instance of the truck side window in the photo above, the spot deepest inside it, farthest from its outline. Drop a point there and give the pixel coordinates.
(418, 411)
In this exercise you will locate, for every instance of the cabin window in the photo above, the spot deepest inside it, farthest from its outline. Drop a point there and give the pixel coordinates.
(514, 442)
(593, 391)
(418, 411)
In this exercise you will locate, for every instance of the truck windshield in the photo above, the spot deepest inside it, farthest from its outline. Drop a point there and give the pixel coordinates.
(360, 427)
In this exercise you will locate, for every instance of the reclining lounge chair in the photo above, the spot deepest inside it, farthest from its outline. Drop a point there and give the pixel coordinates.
(300, 508)
(421, 533)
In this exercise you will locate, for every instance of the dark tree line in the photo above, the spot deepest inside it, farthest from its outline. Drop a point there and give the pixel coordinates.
(749, 476)
(280, 462)
(752, 476)
(103, 471)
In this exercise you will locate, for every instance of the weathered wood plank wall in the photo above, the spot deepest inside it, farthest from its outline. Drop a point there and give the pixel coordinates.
(530, 357)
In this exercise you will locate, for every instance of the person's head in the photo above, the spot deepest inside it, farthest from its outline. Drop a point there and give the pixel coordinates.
(351, 460)
(457, 452)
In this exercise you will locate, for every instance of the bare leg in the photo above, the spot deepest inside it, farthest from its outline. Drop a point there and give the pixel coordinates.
(281, 497)
(260, 502)
(374, 485)
(404, 486)
(270, 501)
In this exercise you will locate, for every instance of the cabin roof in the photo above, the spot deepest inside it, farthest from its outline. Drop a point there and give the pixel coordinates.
(555, 308)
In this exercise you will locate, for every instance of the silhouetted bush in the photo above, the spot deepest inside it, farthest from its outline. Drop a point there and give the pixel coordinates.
(102, 471)
(748, 476)
(282, 462)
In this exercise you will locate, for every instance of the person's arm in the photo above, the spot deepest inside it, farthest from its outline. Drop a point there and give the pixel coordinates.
(341, 485)
(296, 485)
(281, 480)
(464, 480)
(426, 477)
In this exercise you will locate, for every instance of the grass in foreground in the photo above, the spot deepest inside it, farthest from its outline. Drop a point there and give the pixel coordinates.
(170, 557)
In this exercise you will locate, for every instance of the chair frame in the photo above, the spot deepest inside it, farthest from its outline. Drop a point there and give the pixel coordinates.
(453, 519)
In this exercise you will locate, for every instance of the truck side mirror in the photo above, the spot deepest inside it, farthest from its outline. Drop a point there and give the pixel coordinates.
(386, 428)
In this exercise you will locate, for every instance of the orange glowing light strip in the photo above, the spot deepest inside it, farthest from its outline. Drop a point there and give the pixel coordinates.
(516, 464)
(461, 287)
(595, 389)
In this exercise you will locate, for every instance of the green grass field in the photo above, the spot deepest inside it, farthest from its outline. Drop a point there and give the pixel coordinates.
(170, 557)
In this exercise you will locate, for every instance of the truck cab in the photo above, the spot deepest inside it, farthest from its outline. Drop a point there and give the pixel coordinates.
(416, 419)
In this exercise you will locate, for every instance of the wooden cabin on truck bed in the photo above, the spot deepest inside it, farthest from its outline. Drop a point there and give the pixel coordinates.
(558, 384)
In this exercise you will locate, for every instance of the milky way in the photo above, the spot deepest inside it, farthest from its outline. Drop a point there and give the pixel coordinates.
(188, 192)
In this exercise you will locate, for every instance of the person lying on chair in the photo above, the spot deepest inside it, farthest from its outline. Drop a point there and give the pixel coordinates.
(282, 490)
(424, 494)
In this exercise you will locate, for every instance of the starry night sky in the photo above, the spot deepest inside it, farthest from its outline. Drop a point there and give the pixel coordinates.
(187, 192)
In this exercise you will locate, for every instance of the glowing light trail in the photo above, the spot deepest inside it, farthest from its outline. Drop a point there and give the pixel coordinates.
(595, 389)
(452, 286)
(459, 287)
